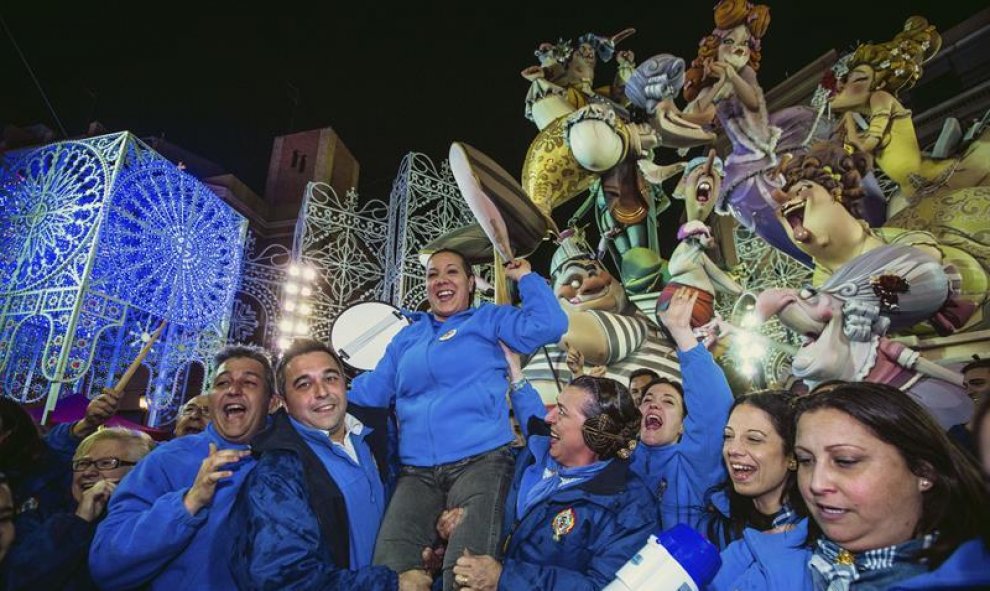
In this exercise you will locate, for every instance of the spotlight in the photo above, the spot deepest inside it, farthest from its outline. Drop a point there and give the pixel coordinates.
(290, 305)
(284, 342)
(293, 270)
(304, 309)
(305, 292)
(309, 273)
(293, 288)
(285, 326)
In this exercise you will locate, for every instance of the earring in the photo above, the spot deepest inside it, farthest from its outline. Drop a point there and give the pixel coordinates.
(792, 465)
(925, 484)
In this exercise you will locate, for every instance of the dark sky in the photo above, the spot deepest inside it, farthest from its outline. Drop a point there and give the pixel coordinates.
(388, 80)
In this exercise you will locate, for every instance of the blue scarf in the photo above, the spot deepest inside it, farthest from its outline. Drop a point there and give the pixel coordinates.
(836, 569)
(542, 479)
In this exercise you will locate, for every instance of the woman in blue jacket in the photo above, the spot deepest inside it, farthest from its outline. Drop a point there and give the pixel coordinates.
(445, 376)
(680, 452)
(758, 451)
(893, 504)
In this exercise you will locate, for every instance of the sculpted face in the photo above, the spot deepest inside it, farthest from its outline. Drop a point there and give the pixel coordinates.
(734, 49)
(825, 353)
(584, 284)
(812, 217)
(699, 189)
(853, 92)
(582, 63)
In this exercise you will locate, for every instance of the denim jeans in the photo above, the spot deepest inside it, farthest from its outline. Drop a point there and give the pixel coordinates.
(478, 484)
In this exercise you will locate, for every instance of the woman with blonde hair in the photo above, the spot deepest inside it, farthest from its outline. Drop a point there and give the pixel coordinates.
(54, 553)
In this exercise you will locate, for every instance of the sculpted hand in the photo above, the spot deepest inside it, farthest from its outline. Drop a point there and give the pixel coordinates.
(477, 573)
(94, 500)
(517, 269)
(210, 473)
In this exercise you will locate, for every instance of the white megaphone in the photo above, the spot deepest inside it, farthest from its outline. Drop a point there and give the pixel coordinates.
(679, 559)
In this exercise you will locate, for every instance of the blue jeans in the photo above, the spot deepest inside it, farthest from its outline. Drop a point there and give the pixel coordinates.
(477, 484)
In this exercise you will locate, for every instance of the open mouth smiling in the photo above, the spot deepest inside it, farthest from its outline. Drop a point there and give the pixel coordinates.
(793, 212)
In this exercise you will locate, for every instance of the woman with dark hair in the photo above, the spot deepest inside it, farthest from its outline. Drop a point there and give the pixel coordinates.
(576, 512)
(758, 451)
(445, 375)
(679, 453)
(893, 503)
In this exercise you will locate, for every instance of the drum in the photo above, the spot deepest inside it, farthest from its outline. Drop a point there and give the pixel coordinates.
(362, 332)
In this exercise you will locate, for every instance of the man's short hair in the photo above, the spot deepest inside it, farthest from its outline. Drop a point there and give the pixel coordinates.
(977, 363)
(643, 371)
(302, 347)
(246, 351)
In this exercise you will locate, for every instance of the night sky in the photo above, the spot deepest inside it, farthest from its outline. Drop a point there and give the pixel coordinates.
(389, 81)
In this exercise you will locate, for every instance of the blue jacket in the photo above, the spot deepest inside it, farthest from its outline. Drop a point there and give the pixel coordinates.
(291, 524)
(779, 562)
(50, 555)
(717, 527)
(442, 376)
(578, 538)
(680, 474)
(42, 488)
(148, 537)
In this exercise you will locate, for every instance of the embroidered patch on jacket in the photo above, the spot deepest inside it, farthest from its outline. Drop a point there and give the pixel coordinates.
(448, 335)
(563, 523)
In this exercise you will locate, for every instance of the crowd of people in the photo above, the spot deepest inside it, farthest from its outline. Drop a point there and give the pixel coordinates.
(411, 477)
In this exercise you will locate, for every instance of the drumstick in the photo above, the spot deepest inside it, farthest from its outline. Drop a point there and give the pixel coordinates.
(365, 337)
(124, 379)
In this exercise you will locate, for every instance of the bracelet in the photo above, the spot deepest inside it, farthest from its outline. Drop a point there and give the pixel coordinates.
(518, 384)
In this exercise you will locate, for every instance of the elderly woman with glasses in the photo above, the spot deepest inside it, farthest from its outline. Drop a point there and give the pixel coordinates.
(54, 553)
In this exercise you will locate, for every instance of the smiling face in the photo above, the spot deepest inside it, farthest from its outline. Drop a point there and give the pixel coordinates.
(858, 487)
(585, 284)
(448, 286)
(104, 448)
(567, 444)
(734, 49)
(315, 393)
(755, 456)
(812, 216)
(853, 92)
(239, 399)
(662, 408)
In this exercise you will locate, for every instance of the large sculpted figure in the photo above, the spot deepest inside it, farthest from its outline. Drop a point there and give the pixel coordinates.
(603, 325)
(588, 140)
(846, 320)
(721, 85)
(822, 186)
(689, 265)
(876, 73)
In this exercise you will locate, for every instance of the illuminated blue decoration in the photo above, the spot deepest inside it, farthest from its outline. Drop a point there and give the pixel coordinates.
(100, 240)
(344, 242)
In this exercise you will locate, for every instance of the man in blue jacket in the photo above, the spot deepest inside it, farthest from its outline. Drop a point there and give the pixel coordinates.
(576, 512)
(308, 514)
(166, 526)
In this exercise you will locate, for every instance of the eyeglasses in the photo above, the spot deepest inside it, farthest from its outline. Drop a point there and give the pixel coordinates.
(101, 464)
(193, 410)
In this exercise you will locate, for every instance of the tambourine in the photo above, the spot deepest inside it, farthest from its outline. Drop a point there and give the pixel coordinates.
(506, 218)
(361, 333)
